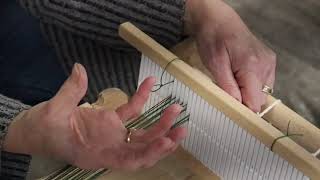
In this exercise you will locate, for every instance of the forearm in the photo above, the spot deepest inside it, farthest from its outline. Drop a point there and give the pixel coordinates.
(99, 19)
(10, 110)
(15, 140)
(213, 13)
(23, 134)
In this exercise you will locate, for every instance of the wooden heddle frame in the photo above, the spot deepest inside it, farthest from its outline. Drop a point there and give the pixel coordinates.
(299, 151)
(296, 150)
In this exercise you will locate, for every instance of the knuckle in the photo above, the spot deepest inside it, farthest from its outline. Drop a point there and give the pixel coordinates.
(165, 123)
(228, 85)
(216, 62)
(136, 111)
(49, 110)
(272, 56)
(129, 165)
(142, 96)
(254, 108)
(127, 160)
(161, 143)
(111, 116)
(270, 66)
(245, 73)
(253, 59)
(133, 108)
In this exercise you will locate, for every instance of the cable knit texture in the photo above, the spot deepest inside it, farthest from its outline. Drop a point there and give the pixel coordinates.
(13, 166)
(86, 31)
(99, 19)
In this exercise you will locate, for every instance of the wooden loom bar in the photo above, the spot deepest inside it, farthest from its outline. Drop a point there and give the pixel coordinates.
(215, 96)
(180, 164)
(279, 116)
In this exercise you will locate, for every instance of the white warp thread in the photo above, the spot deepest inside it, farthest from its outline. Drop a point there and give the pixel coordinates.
(215, 140)
(268, 109)
(317, 153)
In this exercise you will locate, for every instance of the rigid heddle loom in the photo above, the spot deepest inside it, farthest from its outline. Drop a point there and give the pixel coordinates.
(223, 134)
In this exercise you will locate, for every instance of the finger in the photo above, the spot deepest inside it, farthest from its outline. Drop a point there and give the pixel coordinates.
(156, 151)
(161, 127)
(271, 74)
(147, 156)
(134, 156)
(221, 70)
(72, 91)
(270, 79)
(250, 86)
(269, 83)
(136, 103)
(177, 134)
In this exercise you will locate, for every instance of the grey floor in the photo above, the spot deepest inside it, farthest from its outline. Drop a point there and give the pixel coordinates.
(292, 29)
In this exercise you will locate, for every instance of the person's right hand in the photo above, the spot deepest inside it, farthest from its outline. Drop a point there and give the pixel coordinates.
(91, 138)
(240, 63)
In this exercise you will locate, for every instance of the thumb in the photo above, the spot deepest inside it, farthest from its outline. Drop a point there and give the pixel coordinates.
(72, 91)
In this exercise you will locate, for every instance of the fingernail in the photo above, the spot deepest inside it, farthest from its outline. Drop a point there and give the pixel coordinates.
(153, 79)
(76, 70)
(177, 108)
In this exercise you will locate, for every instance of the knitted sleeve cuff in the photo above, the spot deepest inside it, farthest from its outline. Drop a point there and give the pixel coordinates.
(100, 19)
(12, 166)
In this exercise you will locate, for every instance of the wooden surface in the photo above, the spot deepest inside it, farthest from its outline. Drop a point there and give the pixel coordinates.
(241, 115)
(111, 99)
(178, 166)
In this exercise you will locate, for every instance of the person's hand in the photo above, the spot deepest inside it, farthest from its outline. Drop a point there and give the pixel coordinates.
(239, 62)
(91, 138)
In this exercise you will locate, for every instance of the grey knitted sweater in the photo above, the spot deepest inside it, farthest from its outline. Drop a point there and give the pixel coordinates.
(86, 31)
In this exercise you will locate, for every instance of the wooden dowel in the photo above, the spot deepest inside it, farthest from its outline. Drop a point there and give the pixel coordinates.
(266, 133)
(279, 116)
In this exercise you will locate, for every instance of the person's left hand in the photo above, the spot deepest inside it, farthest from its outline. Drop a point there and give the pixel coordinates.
(239, 62)
(93, 138)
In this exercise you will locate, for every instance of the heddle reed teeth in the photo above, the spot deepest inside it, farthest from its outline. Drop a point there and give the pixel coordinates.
(150, 117)
(223, 134)
(214, 139)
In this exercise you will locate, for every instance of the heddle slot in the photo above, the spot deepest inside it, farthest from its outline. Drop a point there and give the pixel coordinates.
(295, 154)
(215, 139)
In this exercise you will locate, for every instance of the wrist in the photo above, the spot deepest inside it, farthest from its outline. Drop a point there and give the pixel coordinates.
(15, 140)
(204, 15)
(23, 134)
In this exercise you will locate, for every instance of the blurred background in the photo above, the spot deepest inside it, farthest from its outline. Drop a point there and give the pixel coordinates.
(292, 29)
